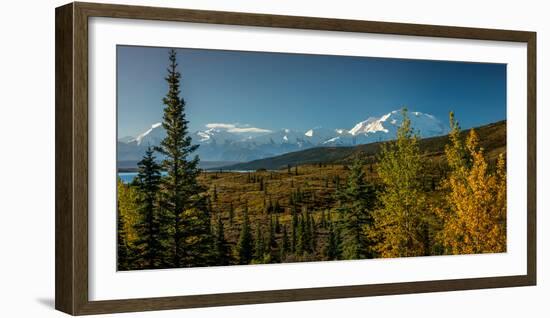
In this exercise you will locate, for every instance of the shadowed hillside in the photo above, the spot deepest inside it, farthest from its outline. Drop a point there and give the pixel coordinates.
(492, 139)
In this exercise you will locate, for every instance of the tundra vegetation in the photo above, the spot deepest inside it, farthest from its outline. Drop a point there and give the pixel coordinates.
(407, 199)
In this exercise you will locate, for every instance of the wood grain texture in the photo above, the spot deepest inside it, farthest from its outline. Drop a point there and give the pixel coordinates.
(532, 158)
(64, 235)
(72, 157)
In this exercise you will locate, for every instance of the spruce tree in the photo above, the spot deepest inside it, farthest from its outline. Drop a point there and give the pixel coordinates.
(277, 225)
(148, 245)
(332, 249)
(294, 230)
(223, 253)
(277, 207)
(259, 247)
(306, 231)
(285, 245)
(357, 200)
(312, 233)
(181, 191)
(301, 237)
(197, 235)
(272, 242)
(244, 245)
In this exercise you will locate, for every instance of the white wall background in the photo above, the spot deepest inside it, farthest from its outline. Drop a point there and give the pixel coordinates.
(27, 158)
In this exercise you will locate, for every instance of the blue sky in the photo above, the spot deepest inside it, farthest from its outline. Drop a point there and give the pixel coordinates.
(298, 91)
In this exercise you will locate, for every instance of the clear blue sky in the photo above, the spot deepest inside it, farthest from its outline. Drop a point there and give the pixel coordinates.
(298, 91)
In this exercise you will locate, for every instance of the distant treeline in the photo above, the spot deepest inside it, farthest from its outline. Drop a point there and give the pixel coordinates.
(393, 205)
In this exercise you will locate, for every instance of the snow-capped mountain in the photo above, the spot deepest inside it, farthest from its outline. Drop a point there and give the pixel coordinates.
(385, 128)
(225, 142)
(151, 137)
(426, 124)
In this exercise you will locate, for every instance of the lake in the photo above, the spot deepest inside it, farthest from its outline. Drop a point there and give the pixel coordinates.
(127, 177)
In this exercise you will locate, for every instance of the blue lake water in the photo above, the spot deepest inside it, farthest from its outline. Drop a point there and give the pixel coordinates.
(127, 177)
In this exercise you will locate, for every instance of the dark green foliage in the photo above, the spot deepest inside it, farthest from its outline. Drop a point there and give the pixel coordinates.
(181, 193)
(312, 233)
(149, 247)
(285, 245)
(259, 247)
(332, 249)
(277, 225)
(357, 203)
(195, 247)
(276, 207)
(171, 225)
(300, 229)
(294, 230)
(221, 247)
(272, 242)
(304, 234)
(244, 245)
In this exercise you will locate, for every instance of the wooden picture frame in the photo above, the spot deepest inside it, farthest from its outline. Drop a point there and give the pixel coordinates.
(71, 124)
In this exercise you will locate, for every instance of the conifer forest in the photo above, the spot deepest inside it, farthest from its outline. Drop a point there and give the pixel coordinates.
(405, 197)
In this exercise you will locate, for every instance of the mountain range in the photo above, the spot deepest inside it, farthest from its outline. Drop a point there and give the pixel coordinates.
(224, 144)
(492, 138)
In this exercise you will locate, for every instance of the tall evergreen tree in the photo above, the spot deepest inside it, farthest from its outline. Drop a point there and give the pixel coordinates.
(259, 248)
(197, 236)
(312, 233)
(181, 190)
(149, 247)
(332, 248)
(294, 230)
(272, 242)
(222, 250)
(277, 225)
(357, 201)
(285, 245)
(244, 245)
(301, 236)
(306, 231)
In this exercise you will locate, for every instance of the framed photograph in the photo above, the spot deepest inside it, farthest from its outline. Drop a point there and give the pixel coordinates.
(211, 158)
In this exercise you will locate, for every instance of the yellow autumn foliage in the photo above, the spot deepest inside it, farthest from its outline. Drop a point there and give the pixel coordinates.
(474, 217)
(402, 216)
(128, 208)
